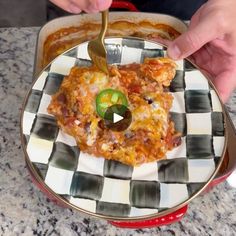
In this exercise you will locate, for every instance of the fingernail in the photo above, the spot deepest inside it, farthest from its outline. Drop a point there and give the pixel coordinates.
(174, 52)
(74, 9)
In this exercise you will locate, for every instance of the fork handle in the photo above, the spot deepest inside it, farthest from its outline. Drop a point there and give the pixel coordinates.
(104, 24)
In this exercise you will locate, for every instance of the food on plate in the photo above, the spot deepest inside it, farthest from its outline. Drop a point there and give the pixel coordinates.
(85, 94)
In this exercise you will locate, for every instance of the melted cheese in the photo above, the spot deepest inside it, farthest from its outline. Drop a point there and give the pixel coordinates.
(149, 135)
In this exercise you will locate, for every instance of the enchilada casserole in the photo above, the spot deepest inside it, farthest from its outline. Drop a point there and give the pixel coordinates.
(66, 38)
(143, 88)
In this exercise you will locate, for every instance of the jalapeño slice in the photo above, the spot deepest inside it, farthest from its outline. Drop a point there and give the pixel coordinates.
(107, 98)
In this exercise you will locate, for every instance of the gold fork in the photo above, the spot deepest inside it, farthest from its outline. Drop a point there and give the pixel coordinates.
(96, 47)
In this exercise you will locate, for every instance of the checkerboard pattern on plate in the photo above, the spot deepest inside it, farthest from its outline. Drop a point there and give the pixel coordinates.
(110, 188)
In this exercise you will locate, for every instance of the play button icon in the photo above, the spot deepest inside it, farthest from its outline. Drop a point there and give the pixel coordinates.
(117, 118)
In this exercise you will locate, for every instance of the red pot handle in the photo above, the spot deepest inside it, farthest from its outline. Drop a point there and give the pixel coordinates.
(124, 5)
(156, 222)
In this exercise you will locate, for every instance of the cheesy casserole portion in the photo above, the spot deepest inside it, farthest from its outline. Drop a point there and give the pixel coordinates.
(151, 133)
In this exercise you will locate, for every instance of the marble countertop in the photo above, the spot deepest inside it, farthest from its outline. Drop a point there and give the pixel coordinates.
(24, 210)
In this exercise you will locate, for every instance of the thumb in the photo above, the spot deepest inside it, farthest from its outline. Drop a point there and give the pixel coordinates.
(192, 40)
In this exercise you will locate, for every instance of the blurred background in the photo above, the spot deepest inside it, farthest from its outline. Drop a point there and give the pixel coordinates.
(23, 13)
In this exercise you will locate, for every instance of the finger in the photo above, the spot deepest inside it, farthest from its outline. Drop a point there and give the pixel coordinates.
(225, 84)
(76, 6)
(97, 6)
(92, 6)
(102, 5)
(192, 40)
(81, 4)
(67, 6)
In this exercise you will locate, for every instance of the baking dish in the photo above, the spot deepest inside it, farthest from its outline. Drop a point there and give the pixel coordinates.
(51, 29)
(74, 21)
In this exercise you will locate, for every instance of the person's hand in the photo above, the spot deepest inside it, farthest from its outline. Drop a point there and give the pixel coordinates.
(76, 6)
(211, 39)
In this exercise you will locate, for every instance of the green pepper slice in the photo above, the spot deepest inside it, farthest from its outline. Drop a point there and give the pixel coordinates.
(107, 98)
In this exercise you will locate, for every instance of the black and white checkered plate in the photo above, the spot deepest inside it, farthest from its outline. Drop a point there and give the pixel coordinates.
(110, 189)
